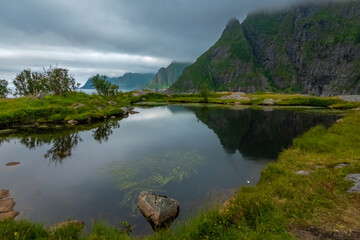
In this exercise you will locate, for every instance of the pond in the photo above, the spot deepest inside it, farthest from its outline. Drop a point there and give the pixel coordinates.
(194, 153)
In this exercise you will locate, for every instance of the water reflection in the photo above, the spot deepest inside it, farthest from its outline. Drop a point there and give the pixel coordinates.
(257, 133)
(102, 133)
(62, 141)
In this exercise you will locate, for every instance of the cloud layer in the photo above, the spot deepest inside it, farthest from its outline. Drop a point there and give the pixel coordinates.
(113, 36)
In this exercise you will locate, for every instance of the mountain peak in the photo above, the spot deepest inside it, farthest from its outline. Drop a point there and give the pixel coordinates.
(232, 23)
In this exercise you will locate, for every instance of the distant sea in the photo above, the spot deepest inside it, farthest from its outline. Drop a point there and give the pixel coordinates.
(87, 91)
(91, 91)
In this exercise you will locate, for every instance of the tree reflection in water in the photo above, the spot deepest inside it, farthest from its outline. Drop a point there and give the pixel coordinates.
(102, 133)
(62, 141)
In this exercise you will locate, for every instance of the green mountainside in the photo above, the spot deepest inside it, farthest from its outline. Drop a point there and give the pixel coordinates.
(129, 81)
(165, 77)
(312, 49)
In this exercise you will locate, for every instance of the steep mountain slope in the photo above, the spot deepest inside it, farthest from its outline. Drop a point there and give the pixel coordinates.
(129, 81)
(313, 49)
(165, 77)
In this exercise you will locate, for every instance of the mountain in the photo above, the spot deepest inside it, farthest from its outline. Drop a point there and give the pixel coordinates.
(165, 77)
(129, 81)
(312, 49)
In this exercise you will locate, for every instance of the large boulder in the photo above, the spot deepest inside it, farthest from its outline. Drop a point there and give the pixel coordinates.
(160, 211)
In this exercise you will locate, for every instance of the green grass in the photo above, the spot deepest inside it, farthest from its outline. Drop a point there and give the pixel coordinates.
(257, 99)
(77, 106)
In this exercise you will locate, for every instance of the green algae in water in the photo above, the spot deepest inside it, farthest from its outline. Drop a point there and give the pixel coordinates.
(152, 173)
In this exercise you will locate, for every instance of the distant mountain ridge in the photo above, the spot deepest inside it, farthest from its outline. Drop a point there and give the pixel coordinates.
(129, 81)
(312, 49)
(165, 77)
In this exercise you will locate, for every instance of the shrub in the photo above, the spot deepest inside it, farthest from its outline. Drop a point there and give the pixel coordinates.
(28, 82)
(60, 81)
(204, 92)
(103, 86)
(54, 79)
(4, 91)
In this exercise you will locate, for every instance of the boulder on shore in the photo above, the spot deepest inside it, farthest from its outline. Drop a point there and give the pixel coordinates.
(269, 102)
(160, 211)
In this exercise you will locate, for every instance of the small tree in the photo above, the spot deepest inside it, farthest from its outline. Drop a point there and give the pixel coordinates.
(59, 80)
(103, 86)
(28, 82)
(4, 91)
(204, 92)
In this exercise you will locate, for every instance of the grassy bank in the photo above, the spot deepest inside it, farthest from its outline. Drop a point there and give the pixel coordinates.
(283, 204)
(86, 108)
(57, 109)
(257, 99)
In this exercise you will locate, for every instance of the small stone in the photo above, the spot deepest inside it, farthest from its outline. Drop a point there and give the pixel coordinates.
(159, 210)
(356, 179)
(72, 122)
(134, 112)
(112, 102)
(305, 173)
(7, 215)
(112, 117)
(319, 167)
(12, 164)
(339, 120)
(59, 225)
(342, 165)
(7, 205)
(269, 102)
(125, 110)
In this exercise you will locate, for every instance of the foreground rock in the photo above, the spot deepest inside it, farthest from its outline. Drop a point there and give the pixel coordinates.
(6, 206)
(356, 179)
(160, 211)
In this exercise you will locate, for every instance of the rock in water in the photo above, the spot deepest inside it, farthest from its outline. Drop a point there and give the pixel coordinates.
(7, 205)
(12, 164)
(7, 215)
(159, 210)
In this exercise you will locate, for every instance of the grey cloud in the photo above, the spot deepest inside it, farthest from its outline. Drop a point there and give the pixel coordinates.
(161, 29)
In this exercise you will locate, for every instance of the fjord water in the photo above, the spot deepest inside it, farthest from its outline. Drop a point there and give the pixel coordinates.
(195, 154)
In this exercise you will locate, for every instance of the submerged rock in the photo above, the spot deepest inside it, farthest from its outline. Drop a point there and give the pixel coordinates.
(133, 112)
(12, 164)
(160, 211)
(356, 179)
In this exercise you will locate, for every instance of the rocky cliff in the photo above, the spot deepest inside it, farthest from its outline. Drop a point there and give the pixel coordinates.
(313, 49)
(165, 77)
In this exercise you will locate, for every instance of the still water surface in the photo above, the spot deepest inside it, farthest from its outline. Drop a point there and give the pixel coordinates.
(194, 154)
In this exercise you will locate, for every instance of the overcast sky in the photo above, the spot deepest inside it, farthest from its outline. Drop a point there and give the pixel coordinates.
(112, 36)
